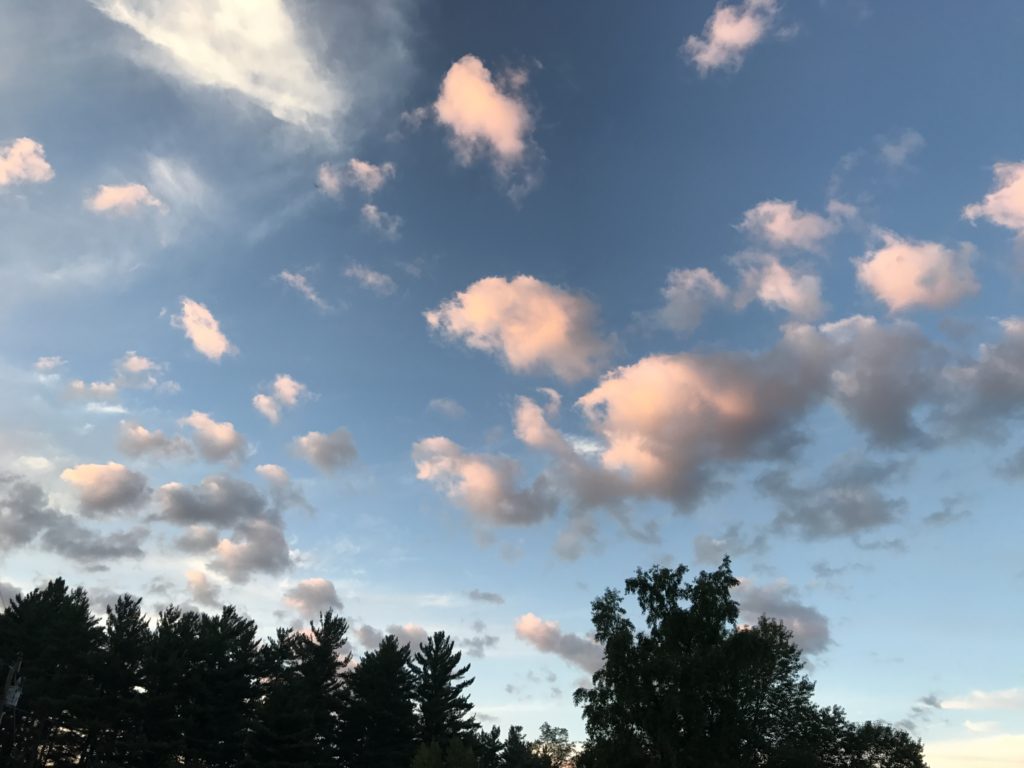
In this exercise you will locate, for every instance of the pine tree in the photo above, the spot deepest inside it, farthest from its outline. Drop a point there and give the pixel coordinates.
(440, 691)
(322, 660)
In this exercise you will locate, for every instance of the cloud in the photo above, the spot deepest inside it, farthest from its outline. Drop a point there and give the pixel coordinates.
(688, 293)
(906, 273)
(135, 371)
(252, 49)
(532, 325)
(547, 637)
(412, 635)
(1009, 698)
(197, 539)
(447, 407)
(122, 199)
(895, 153)
(477, 645)
(367, 177)
(203, 591)
(779, 287)
(729, 33)
(326, 452)
(386, 224)
(783, 225)
(668, 423)
(484, 485)
(311, 597)
(285, 393)
(93, 390)
(489, 119)
(846, 501)
(216, 440)
(23, 161)
(1004, 205)
(779, 601)
(106, 488)
(301, 284)
(218, 500)
(49, 363)
(486, 597)
(996, 751)
(203, 330)
(330, 180)
(375, 281)
(257, 546)
(135, 440)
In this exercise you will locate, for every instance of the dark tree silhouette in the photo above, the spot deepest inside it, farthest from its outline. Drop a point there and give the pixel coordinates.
(439, 690)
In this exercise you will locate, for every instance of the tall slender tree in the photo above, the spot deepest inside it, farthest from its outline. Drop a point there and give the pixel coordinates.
(440, 685)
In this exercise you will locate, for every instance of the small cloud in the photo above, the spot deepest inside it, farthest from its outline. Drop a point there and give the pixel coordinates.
(216, 440)
(135, 440)
(486, 597)
(203, 590)
(122, 199)
(203, 330)
(369, 177)
(782, 225)
(301, 284)
(1004, 205)
(386, 224)
(49, 364)
(285, 393)
(326, 452)
(688, 293)
(23, 161)
(547, 637)
(107, 488)
(1008, 698)
(896, 153)
(447, 407)
(729, 33)
(370, 279)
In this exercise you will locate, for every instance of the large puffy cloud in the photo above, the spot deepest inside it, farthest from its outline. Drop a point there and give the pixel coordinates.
(254, 49)
(135, 440)
(548, 637)
(1004, 205)
(483, 117)
(216, 440)
(781, 224)
(311, 597)
(530, 324)
(668, 421)
(24, 160)
(203, 330)
(203, 590)
(105, 488)
(219, 500)
(780, 601)
(122, 199)
(484, 485)
(257, 546)
(688, 293)
(780, 287)
(26, 516)
(847, 500)
(907, 273)
(729, 33)
(326, 452)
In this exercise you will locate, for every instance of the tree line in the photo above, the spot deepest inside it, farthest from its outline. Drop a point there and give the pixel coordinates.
(691, 688)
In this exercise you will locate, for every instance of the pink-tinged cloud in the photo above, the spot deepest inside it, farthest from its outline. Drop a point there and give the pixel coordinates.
(106, 488)
(284, 393)
(548, 637)
(729, 33)
(203, 590)
(1004, 205)
(486, 486)
(326, 452)
(688, 293)
(532, 325)
(368, 176)
(122, 199)
(203, 330)
(780, 287)
(23, 161)
(371, 279)
(216, 440)
(782, 225)
(905, 274)
(301, 284)
(311, 597)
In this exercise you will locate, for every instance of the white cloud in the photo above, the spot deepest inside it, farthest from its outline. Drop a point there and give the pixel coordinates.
(285, 393)
(387, 224)
(330, 180)
(135, 440)
(781, 224)
(23, 160)
(369, 177)
(375, 281)
(907, 273)
(447, 407)
(729, 33)
(1004, 205)
(122, 199)
(326, 452)
(93, 390)
(106, 488)
(688, 293)
(1009, 698)
(257, 546)
(484, 485)
(49, 364)
(311, 597)
(203, 590)
(779, 287)
(490, 119)
(216, 440)
(895, 153)
(530, 324)
(548, 637)
(249, 47)
(267, 406)
(301, 284)
(203, 330)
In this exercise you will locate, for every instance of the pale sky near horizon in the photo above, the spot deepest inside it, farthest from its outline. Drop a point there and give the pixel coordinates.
(450, 315)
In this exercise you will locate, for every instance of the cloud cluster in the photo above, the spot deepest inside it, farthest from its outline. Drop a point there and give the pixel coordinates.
(780, 601)
(531, 325)
(387, 224)
(107, 488)
(135, 440)
(203, 330)
(729, 33)
(412, 635)
(326, 452)
(781, 224)
(216, 440)
(285, 392)
(23, 161)
(311, 597)
(548, 637)
(365, 176)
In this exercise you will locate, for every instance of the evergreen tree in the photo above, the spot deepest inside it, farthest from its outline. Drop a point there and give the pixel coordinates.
(380, 723)
(459, 755)
(518, 752)
(322, 660)
(429, 756)
(489, 747)
(440, 691)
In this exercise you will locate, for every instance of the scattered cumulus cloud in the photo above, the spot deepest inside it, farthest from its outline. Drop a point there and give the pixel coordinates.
(106, 488)
(780, 601)
(122, 199)
(548, 637)
(216, 440)
(371, 279)
(301, 284)
(203, 330)
(486, 597)
(326, 452)
(1004, 205)
(781, 224)
(446, 407)
(23, 161)
(311, 597)
(532, 325)
(729, 33)
(905, 274)
(285, 392)
(1009, 698)
(365, 176)
(203, 590)
(135, 440)
(688, 293)
(776, 286)
(387, 224)
(895, 153)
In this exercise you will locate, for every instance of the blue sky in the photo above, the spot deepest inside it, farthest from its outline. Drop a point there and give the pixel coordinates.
(451, 315)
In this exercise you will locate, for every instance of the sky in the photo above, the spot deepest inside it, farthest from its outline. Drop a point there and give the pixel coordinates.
(451, 315)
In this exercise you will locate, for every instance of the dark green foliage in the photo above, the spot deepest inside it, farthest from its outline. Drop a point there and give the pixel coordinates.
(439, 690)
(488, 747)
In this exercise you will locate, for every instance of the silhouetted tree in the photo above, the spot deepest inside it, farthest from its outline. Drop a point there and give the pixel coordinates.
(380, 724)
(322, 659)
(553, 746)
(488, 747)
(439, 690)
(518, 752)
